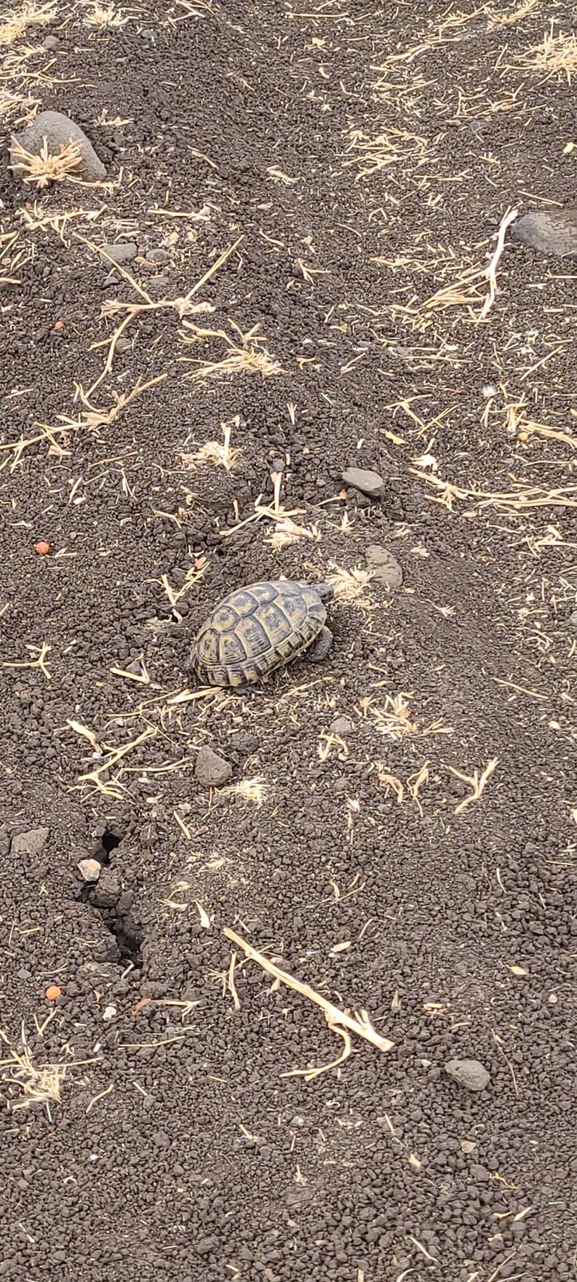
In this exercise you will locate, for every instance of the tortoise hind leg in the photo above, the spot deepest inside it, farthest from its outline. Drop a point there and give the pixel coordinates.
(321, 646)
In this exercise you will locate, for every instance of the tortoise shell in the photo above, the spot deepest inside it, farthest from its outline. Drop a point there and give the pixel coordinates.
(257, 629)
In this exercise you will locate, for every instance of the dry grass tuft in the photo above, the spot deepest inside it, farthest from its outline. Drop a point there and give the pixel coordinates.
(287, 531)
(253, 791)
(350, 586)
(555, 57)
(39, 1083)
(45, 168)
(106, 16)
(249, 356)
(222, 455)
(396, 721)
(26, 15)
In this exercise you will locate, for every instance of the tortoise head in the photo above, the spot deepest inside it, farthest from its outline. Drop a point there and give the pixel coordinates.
(323, 590)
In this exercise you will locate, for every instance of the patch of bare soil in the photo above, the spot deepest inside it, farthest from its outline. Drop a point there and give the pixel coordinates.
(318, 199)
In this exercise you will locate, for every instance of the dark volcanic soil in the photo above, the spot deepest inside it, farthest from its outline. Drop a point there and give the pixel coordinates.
(355, 162)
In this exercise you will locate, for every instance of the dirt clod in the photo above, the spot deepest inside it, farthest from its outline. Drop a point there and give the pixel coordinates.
(384, 566)
(108, 889)
(549, 231)
(29, 843)
(468, 1073)
(122, 252)
(211, 770)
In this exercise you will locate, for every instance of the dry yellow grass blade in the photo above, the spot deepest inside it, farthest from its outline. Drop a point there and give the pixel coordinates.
(476, 782)
(38, 662)
(310, 1074)
(45, 168)
(359, 1023)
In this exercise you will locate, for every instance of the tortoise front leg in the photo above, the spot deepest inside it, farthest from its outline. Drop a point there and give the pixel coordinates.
(321, 646)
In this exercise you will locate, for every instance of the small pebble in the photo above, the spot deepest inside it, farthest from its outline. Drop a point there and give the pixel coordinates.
(51, 42)
(158, 255)
(24, 974)
(342, 725)
(468, 1073)
(123, 345)
(384, 566)
(211, 770)
(89, 869)
(123, 252)
(573, 620)
(369, 483)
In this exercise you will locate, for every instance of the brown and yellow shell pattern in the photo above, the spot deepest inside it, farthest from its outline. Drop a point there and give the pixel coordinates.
(255, 630)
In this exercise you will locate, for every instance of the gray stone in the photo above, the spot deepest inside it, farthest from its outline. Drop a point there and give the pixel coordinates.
(369, 483)
(548, 231)
(24, 974)
(341, 725)
(573, 620)
(30, 843)
(123, 252)
(89, 869)
(211, 770)
(108, 890)
(158, 286)
(59, 131)
(123, 345)
(51, 42)
(158, 255)
(384, 566)
(468, 1073)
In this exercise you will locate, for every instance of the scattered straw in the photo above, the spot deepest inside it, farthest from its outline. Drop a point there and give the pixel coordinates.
(510, 19)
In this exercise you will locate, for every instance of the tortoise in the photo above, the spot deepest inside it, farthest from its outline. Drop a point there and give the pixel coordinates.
(259, 628)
